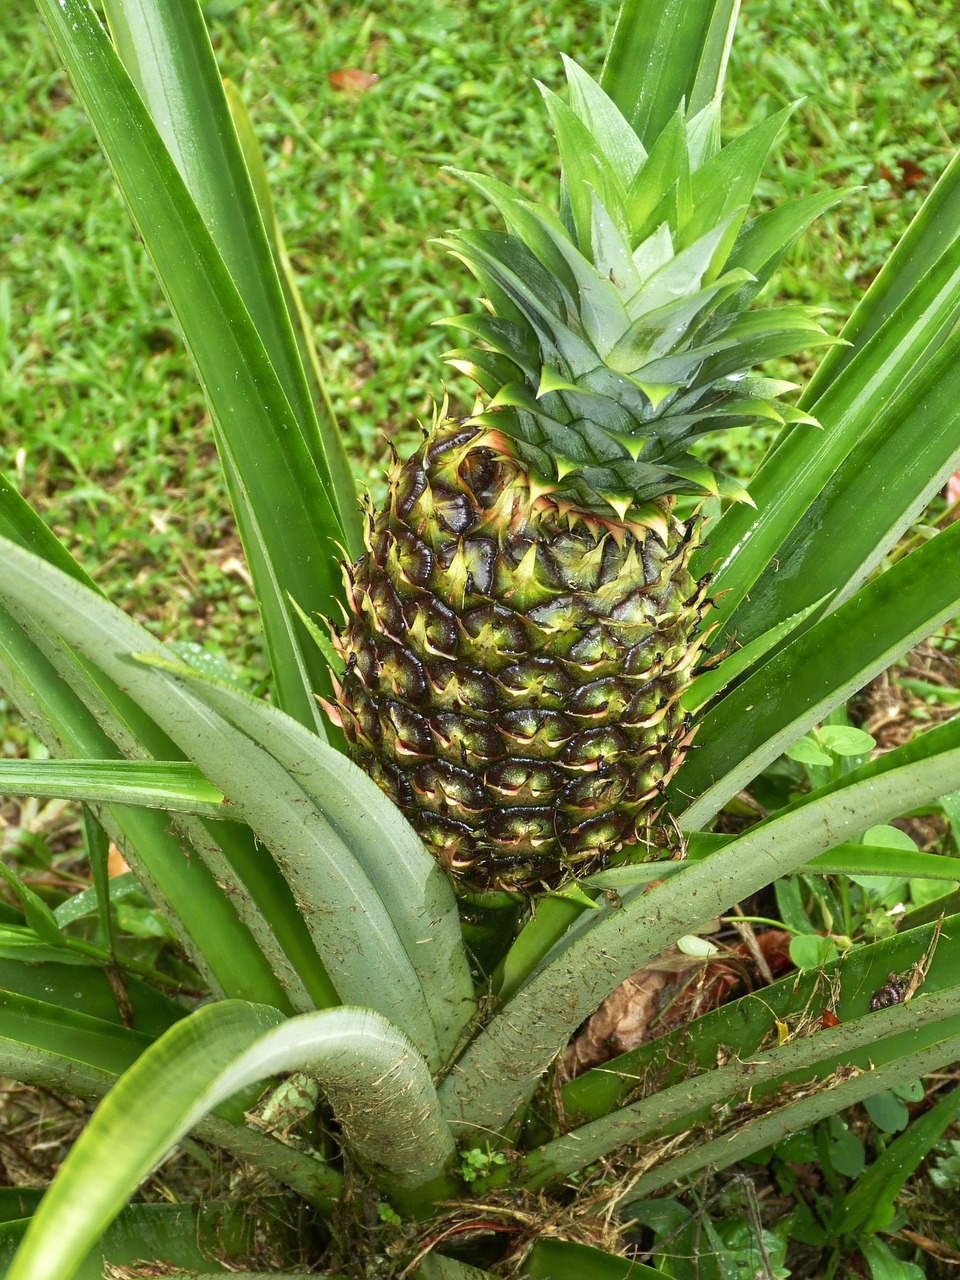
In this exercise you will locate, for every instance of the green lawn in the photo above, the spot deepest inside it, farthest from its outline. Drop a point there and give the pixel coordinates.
(101, 421)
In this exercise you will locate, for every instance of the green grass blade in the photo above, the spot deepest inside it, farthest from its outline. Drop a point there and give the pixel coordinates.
(175, 786)
(283, 509)
(352, 933)
(752, 725)
(666, 50)
(603, 948)
(370, 1072)
(406, 878)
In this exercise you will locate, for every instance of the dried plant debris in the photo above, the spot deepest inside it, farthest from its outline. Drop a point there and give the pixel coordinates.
(671, 991)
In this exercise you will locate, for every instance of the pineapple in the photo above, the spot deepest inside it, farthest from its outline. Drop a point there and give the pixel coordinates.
(524, 622)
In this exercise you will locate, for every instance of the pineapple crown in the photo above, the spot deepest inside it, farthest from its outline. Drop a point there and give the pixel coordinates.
(618, 332)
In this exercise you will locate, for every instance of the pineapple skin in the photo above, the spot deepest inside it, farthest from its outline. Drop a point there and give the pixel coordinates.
(514, 665)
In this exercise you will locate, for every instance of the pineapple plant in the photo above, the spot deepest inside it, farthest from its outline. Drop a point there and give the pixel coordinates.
(524, 621)
(559, 516)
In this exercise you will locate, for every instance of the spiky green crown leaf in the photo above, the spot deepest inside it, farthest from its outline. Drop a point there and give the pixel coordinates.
(618, 332)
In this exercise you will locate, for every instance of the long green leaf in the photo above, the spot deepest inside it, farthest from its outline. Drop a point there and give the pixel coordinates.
(752, 725)
(847, 859)
(709, 683)
(346, 920)
(665, 51)
(283, 509)
(183, 887)
(821, 1052)
(376, 1082)
(416, 893)
(42, 1043)
(565, 1260)
(342, 483)
(231, 908)
(900, 462)
(176, 786)
(738, 1028)
(89, 991)
(753, 1135)
(501, 1066)
(931, 233)
(871, 1205)
(228, 904)
(166, 52)
(180, 1235)
(869, 402)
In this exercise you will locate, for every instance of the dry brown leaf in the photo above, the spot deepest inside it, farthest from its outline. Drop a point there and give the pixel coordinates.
(673, 989)
(351, 80)
(621, 1023)
(117, 865)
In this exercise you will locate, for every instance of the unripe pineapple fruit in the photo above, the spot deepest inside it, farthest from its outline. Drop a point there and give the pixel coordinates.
(524, 622)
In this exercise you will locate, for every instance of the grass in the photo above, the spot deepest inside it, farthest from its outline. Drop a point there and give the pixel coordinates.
(100, 419)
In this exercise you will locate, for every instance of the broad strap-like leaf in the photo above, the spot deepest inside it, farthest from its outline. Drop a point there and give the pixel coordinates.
(376, 1082)
(872, 405)
(191, 1236)
(332, 436)
(283, 505)
(88, 991)
(566, 1260)
(45, 1044)
(499, 1069)
(346, 919)
(205, 919)
(664, 52)
(846, 987)
(173, 785)
(748, 728)
(709, 683)
(228, 904)
(902, 460)
(417, 895)
(166, 52)
(931, 234)
(859, 1044)
(815, 1102)
(556, 912)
